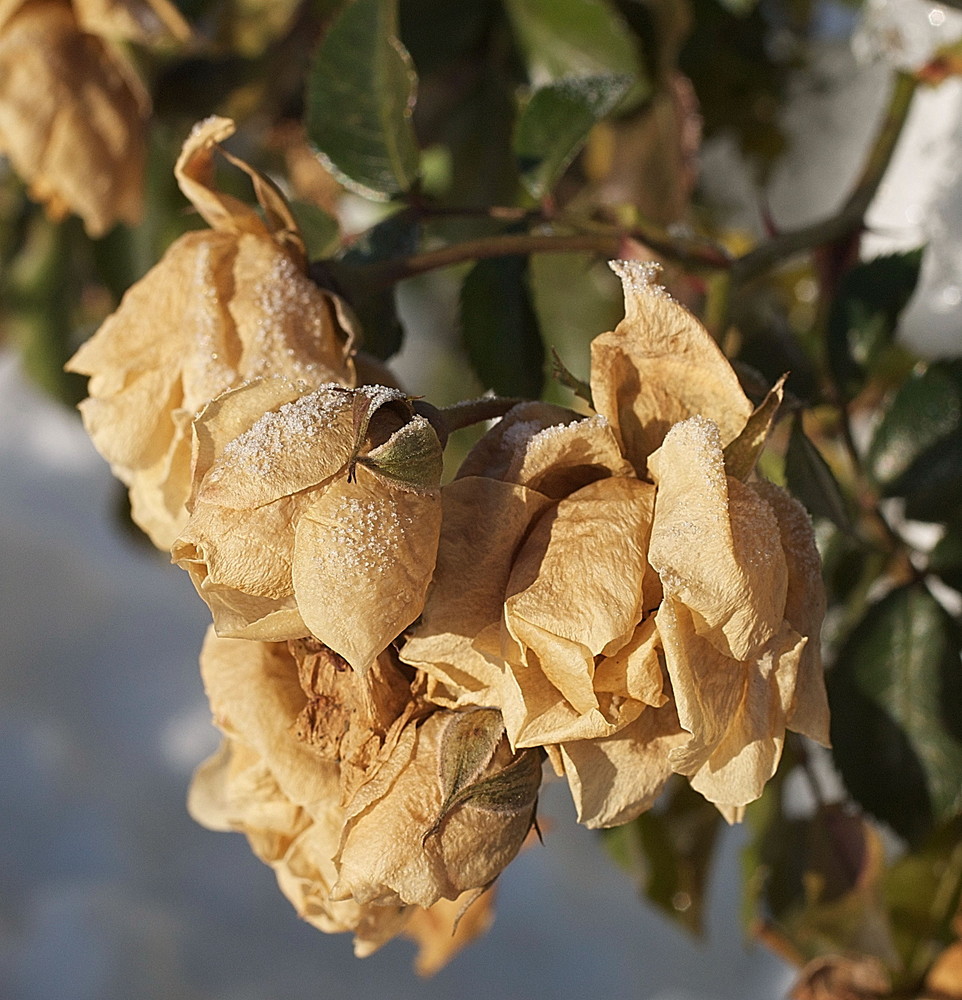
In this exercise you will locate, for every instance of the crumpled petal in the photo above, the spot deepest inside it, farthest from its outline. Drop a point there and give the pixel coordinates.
(221, 308)
(615, 778)
(483, 523)
(575, 589)
(715, 543)
(735, 711)
(658, 367)
(150, 22)
(804, 610)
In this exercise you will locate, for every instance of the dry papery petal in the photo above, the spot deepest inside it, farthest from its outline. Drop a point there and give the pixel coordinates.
(574, 593)
(72, 117)
(615, 778)
(715, 542)
(660, 366)
(447, 821)
(735, 710)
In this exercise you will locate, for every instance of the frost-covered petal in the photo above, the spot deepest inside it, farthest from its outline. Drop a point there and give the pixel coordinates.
(300, 445)
(660, 366)
(364, 552)
(715, 543)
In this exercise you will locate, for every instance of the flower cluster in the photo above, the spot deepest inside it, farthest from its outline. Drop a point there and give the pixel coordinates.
(393, 659)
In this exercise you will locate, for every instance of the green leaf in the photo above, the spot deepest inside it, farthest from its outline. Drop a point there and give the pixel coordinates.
(373, 304)
(922, 893)
(564, 38)
(668, 851)
(864, 314)
(554, 125)
(916, 451)
(926, 409)
(500, 329)
(896, 698)
(360, 97)
(945, 559)
(811, 480)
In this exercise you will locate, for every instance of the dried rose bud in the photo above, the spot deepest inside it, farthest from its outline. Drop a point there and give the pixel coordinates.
(223, 306)
(443, 816)
(72, 116)
(313, 513)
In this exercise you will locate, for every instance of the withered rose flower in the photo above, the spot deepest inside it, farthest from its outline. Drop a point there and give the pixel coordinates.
(314, 513)
(622, 586)
(224, 305)
(379, 813)
(72, 115)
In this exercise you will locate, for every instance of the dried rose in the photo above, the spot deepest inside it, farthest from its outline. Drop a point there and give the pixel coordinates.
(223, 306)
(285, 792)
(619, 595)
(72, 115)
(314, 513)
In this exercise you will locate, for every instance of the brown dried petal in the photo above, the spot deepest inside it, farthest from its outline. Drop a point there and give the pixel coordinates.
(715, 543)
(364, 552)
(149, 22)
(658, 367)
(804, 610)
(616, 778)
(734, 710)
(302, 444)
(576, 586)
(71, 117)
(483, 523)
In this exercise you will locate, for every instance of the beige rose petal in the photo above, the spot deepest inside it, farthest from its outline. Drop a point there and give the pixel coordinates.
(246, 550)
(560, 459)
(232, 413)
(804, 610)
(443, 929)
(575, 586)
(734, 710)
(535, 713)
(255, 697)
(194, 171)
(658, 367)
(129, 428)
(364, 552)
(616, 778)
(715, 543)
(483, 523)
(71, 117)
(494, 454)
(635, 670)
(300, 445)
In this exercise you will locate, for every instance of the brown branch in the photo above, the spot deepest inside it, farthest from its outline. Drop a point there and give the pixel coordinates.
(851, 216)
